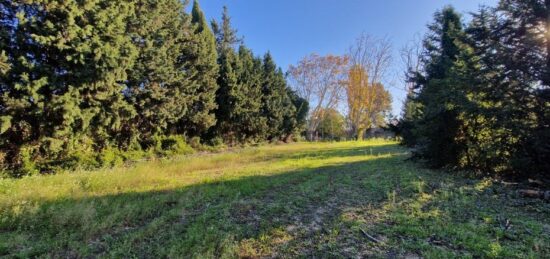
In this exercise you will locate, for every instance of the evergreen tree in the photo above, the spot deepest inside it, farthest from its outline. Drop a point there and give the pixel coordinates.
(80, 77)
(63, 91)
(438, 125)
(202, 72)
(226, 35)
(157, 86)
(249, 122)
(239, 93)
(482, 100)
(410, 114)
(489, 144)
(276, 103)
(295, 119)
(513, 48)
(229, 90)
(525, 55)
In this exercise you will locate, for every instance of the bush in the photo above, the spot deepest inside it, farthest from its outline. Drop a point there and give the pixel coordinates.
(172, 145)
(110, 157)
(195, 142)
(216, 142)
(77, 159)
(27, 164)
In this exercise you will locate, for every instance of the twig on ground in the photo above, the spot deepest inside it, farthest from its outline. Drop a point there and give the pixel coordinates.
(371, 238)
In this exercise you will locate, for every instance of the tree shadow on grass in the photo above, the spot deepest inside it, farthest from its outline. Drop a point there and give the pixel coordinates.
(308, 212)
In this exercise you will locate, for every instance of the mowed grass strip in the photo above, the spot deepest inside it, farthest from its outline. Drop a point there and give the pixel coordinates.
(301, 199)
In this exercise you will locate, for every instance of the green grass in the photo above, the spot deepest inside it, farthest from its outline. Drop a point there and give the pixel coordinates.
(296, 200)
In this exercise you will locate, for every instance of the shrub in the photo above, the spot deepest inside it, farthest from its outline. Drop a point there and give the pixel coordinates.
(195, 142)
(216, 142)
(172, 145)
(26, 164)
(110, 157)
(78, 160)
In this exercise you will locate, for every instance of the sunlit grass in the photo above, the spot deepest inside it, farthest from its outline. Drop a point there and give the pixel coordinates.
(301, 199)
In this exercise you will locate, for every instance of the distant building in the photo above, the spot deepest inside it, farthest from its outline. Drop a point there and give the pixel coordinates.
(379, 133)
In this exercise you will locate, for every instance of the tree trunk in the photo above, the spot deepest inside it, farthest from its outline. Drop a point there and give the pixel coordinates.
(287, 138)
(360, 134)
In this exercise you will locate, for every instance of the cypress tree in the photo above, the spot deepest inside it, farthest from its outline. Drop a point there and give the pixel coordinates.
(229, 90)
(295, 118)
(202, 72)
(230, 94)
(248, 120)
(63, 90)
(226, 35)
(275, 99)
(157, 85)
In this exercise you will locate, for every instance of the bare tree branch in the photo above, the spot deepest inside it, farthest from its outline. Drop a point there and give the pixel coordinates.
(319, 80)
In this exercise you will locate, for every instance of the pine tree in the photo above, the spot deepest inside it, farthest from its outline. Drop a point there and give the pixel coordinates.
(202, 72)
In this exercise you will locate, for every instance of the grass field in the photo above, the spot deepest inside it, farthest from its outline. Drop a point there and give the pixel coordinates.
(347, 199)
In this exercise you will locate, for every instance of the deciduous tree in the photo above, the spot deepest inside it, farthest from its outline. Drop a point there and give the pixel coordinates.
(366, 97)
(367, 101)
(320, 81)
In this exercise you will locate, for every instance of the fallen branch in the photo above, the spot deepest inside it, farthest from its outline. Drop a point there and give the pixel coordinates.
(371, 238)
(536, 182)
(535, 194)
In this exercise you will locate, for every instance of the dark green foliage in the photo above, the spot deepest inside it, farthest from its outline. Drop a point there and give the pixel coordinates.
(482, 102)
(96, 83)
(411, 113)
(295, 122)
(157, 85)
(227, 95)
(62, 91)
(254, 102)
(226, 36)
(250, 123)
(202, 71)
(523, 51)
(230, 93)
(276, 102)
(438, 125)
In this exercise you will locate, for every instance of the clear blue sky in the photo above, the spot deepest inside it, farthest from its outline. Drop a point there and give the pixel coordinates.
(291, 29)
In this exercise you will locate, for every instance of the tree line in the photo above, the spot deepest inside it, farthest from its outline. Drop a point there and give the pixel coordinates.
(94, 83)
(480, 92)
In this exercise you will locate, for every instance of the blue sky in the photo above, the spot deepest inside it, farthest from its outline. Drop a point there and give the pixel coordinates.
(291, 29)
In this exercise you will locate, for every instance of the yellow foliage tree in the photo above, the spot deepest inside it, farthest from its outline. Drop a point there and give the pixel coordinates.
(367, 101)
